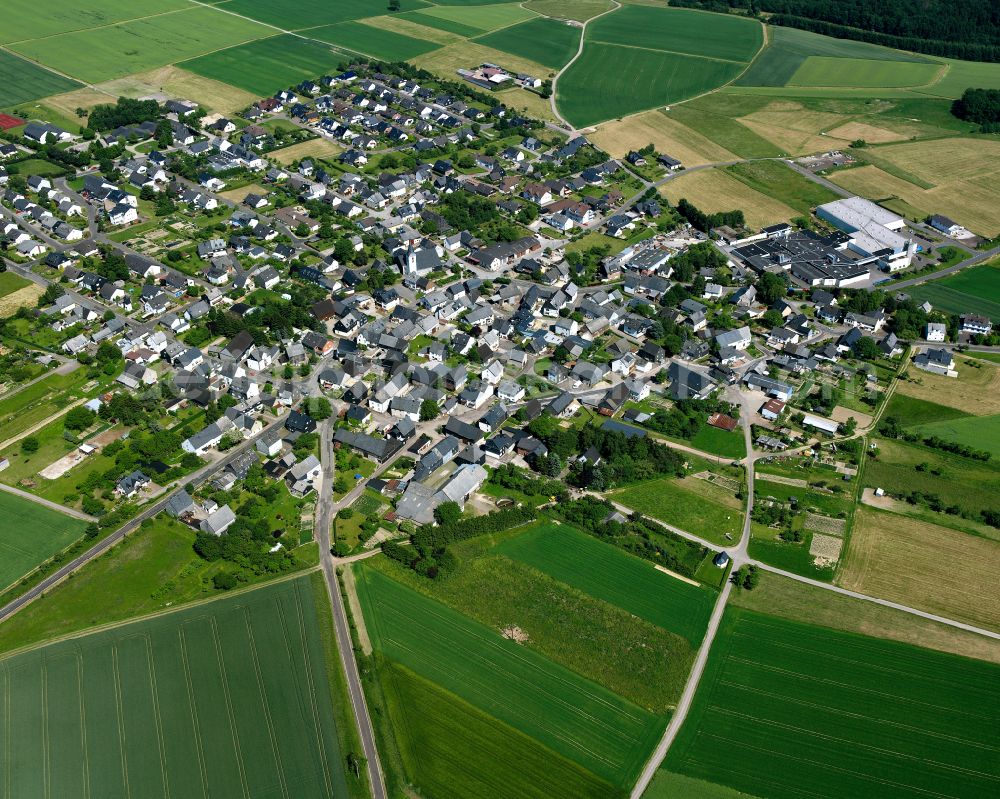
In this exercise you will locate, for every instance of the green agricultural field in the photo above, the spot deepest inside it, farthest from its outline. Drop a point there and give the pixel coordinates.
(610, 81)
(975, 290)
(693, 505)
(453, 750)
(10, 282)
(679, 30)
(22, 80)
(298, 14)
(543, 40)
(727, 443)
(580, 10)
(575, 717)
(793, 704)
(371, 41)
(123, 49)
(912, 411)
(26, 19)
(789, 48)
(264, 66)
(227, 699)
(482, 17)
(863, 73)
(607, 573)
(963, 74)
(978, 432)
(31, 534)
(779, 181)
(442, 24)
(723, 130)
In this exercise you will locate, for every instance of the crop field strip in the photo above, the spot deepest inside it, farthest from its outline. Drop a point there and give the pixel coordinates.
(371, 41)
(795, 705)
(543, 40)
(575, 717)
(226, 699)
(607, 573)
(21, 80)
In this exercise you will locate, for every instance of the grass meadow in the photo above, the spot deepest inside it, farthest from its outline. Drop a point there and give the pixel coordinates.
(863, 73)
(31, 534)
(543, 40)
(101, 54)
(226, 699)
(266, 65)
(694, 505)
(573, 716)
(21, 80)
(976, 390)
(793, 704)
(26, 19)
(298, 14)
(10, 282)
(33, 404)
(779, 181)
(611, 575)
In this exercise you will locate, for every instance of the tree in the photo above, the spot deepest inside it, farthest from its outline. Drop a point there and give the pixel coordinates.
(447, 513)
(428, 410)
(866, 349)
(772, 318)
(394, 5)
(771, 288)
(224, 581)
(850, 426)
(164, 135)
(746, 577)
(79, 418)
(319, 408)
(29, 445)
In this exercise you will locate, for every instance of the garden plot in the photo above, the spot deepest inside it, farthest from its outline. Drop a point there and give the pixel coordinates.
(788, 481)
(824, 524)
(825, 549)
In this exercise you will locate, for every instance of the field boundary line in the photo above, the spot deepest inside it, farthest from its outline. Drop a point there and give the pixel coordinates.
(192, 705)
(158, 720)
(220, 659)
(155, 614)
(121, 719)
(98, 27)
(83, 725)
(671, 52)
(263, 700)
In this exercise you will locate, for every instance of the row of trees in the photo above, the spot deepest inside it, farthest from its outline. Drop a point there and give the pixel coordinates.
(705, 222)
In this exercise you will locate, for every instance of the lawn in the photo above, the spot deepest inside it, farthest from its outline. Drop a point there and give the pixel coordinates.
(691, 504)
(122, 49)
(21, 80)
(779, 181)
(923, 565)
(35, 403)
(372, 41)
(727, 443)
(610, 81)
(205, 701)
(10, 282)
(453, 750)
(36, 166)
(793, 704)
(30, 535)
(611, 575)
(264, 66)
(299, 14)
(154, 569)
(573, 716)
(543, 40)
(973, 290)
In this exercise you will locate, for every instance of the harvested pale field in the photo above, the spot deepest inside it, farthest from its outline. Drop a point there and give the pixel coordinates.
(970, 202)
(869, 133)
(315, 148)
(825, 549)
(713, 191)
(27, 296)
(415, 30)
(238, 195)
(975, 390)
(176, 82)
(667, 135)
(68, 102)
(924, 566)
(792, 127)
(842, 414)
(464, 55)
(942, 161)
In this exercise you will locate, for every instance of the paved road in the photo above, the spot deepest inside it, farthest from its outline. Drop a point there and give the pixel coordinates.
(324, 517)
(76, 514)
(102, 546)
